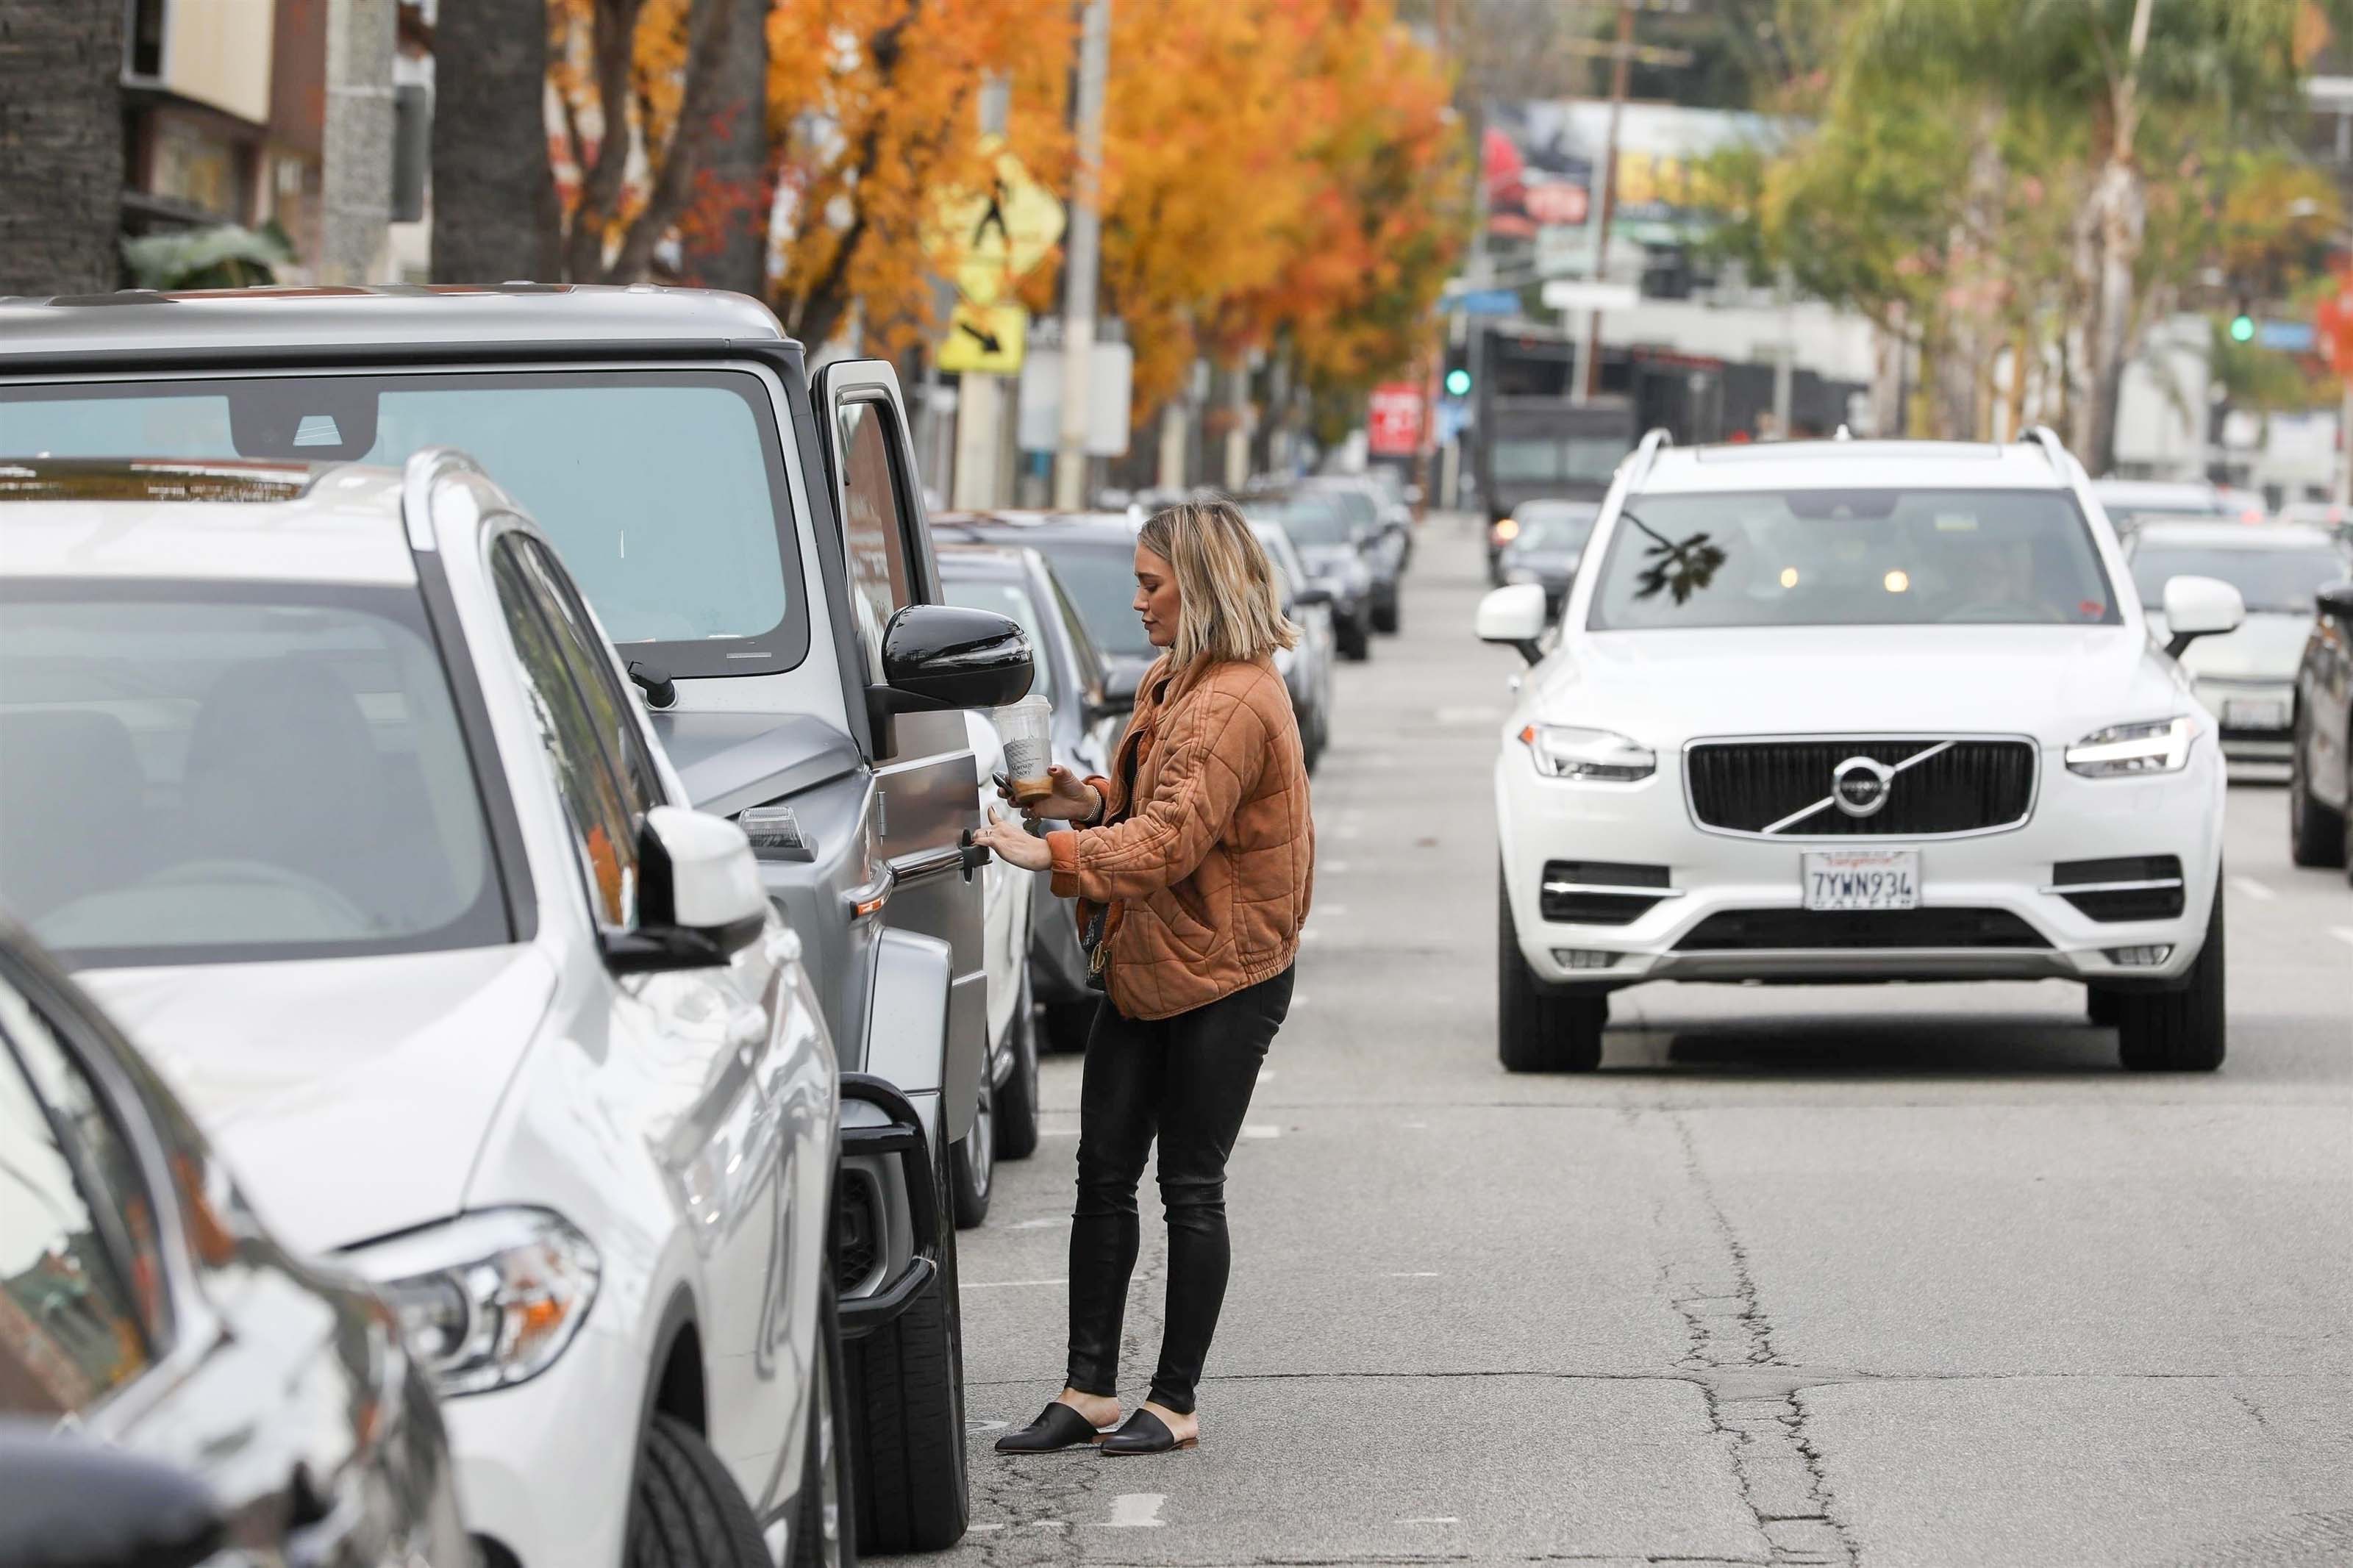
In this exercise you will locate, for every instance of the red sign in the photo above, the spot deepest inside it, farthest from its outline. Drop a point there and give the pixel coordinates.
(1393, 425)
(1557, 203)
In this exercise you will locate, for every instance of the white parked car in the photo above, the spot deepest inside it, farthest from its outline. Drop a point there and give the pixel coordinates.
(1007, 1127)
(1847, 711)
(329, 787)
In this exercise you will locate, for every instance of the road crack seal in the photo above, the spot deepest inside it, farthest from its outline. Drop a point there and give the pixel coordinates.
(1752, 1396)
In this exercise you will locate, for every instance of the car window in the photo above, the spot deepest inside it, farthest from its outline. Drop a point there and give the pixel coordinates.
(1317, 520)
(873, 523)
(591, 666)
(603, 829)
(2280, 582)
(208, 772)
(82, 1310)
(663, 488)
(1088, 656)
(1011, 600)
(1101, 578)
(1852, 557)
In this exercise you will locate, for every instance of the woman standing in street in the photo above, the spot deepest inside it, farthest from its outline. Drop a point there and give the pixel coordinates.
(1192, 866)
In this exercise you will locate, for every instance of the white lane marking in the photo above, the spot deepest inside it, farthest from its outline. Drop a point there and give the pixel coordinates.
(1336, 910)
(1136, 1510)
(1005, 1284)
(1432, 1519)
(1057, 1132)
(1266, 1075)
(1049, 1524)
(1415, 1126)
(1332, 868)
(1470, 715)
(976, 1425)
(1310, 934)
(1048, 1223)
(1262, 1130)
(981, 1529)
(2254, 888)
(2342, 933)
(1430, 1274)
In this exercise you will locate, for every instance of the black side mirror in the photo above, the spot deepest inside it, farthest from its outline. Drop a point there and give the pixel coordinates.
(66, 1503)
(1311, 594)
(936, 657)
(2336, 601)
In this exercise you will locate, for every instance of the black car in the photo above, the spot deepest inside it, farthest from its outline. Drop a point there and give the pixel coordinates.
(1546, 543)
(1384, 538)
(173, 1376)
(1006, 568)
(2320, 768)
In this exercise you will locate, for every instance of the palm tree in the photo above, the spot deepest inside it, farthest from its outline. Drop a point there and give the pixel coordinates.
(60, 146)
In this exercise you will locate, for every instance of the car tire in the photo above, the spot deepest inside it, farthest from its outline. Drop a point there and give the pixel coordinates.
(1386, 617)
(1016, 1102)
(972, 1162)
(1356, 642)
(2315, 834)
(2184, 1030)
(822, 1528)
(1310, 740)
(908, 1422)
(1538, 1031)
(2105, 1009)
(686, 1510)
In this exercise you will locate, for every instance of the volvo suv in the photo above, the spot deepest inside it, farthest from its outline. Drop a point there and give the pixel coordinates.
(1848, 711)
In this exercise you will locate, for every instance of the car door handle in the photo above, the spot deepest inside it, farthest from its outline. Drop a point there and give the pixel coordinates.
(974, 856)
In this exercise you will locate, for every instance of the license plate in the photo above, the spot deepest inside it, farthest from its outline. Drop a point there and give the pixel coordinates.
(2254, 713)
(1862, 878)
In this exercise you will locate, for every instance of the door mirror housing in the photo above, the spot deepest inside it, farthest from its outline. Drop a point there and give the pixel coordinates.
(2200, 607)
(1118, 693)
(77, 1504)
(1515, 616)
(2336, 602)
(700, 901)
(941, 657)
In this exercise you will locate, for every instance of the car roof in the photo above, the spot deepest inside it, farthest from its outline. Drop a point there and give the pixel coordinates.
(1852, 465)
(1033, 528)
(241, 522)
(962, 558)
(2233, 535)
(223, 324)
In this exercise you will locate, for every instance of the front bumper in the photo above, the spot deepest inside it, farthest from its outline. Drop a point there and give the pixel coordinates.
(886, 1227)
(2010, 873)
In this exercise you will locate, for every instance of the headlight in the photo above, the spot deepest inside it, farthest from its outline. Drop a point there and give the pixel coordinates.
(2156, 746)
(1522, 574)
(1562, 752)
(1507, 529)
(487, 1300)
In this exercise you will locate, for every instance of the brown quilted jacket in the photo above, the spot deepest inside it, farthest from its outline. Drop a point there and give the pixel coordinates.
(1207, 871)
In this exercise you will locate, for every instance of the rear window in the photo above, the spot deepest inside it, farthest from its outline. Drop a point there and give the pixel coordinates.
(2280, 582)
(1852, 557)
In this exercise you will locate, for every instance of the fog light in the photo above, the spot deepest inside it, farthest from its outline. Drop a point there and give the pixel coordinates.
(2140, 957)
(1584, 958)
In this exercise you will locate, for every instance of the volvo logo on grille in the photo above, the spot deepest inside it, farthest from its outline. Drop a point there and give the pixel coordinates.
(1859, 786)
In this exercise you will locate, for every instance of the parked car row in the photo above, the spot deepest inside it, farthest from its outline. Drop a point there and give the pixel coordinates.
(542, 874)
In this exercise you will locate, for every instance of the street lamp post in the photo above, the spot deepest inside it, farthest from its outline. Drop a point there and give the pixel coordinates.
(1080, 268)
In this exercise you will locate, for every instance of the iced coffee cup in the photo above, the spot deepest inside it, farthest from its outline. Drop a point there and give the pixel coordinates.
(1025, 728)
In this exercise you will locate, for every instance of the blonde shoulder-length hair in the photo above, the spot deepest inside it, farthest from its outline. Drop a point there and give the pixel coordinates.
(1228, 606)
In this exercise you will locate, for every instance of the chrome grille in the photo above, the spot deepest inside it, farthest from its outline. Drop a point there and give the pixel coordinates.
(1934, 784)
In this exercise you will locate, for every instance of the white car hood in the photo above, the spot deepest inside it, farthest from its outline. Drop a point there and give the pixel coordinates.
(350, 1095)
(1664, 688)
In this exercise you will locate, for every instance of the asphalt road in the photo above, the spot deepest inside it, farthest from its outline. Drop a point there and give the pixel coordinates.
(1877, 1276)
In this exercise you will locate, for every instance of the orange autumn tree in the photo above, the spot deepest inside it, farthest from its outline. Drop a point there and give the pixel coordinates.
(873, 108)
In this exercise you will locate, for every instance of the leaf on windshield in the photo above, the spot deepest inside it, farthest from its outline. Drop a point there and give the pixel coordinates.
(1681, 568)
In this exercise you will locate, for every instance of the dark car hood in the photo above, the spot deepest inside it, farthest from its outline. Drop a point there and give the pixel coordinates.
(730, 761)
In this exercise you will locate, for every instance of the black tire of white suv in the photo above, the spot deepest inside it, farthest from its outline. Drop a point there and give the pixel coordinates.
(2184, 1030)
(687, 1512)
(2315, 834)
(1538, 1030)
(908, 1426)
(824, 1527)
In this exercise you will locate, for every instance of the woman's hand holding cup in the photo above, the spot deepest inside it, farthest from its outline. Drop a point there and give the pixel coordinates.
(1071, 798)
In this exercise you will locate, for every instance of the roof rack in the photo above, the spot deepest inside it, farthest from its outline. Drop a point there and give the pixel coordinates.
(1646, 454)
(417, 477)
(2052, 447)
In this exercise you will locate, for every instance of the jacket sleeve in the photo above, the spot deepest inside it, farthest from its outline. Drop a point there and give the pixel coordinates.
(1208, 769)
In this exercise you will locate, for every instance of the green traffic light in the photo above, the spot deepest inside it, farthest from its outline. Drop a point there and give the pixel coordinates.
(1458, 382)
(2242, 329)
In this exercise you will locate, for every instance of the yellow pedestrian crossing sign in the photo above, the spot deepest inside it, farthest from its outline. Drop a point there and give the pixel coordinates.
(985, 339)
(986, 240)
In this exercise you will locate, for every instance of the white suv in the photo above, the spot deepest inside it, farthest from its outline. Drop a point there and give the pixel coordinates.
(329, 787)
(1848, 711)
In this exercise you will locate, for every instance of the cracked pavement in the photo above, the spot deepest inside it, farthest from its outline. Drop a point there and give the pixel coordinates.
(1869, 1276)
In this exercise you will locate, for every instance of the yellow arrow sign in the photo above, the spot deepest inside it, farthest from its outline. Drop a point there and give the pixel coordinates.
(988, 339)
(986, 240)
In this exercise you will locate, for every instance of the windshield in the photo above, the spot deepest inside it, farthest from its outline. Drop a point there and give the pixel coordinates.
(1554, 527)
(201, 773)
(1317, 520)
(1816, 558)
(999, 597)
(1100, 579)
(2280, 582)
(656, 486)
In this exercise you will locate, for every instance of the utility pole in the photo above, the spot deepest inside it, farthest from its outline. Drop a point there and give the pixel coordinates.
(355, 176)
(1082, 260)
(1621, 69)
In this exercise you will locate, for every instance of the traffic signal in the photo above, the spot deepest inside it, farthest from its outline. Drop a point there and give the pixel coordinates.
(1458, 383)
(2243, 327)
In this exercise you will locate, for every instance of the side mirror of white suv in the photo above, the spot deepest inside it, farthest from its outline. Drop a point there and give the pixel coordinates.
(1516, 615)
(2199, 606)
(699, 894)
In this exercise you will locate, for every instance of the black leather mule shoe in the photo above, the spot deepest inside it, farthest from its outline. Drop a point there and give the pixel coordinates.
(1144, 1433)
(1057, 1426)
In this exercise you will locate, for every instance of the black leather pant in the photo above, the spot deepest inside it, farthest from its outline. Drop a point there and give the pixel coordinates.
(1187, 1079)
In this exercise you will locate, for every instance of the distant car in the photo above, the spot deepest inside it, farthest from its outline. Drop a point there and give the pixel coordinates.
(2246, 679)
(1331, 544)
(2129, 503)
(1858, 711)
(145, 1310)
(330, 789)
(1007, 1125)
(2320, 770)
(1546, 542)
(1306, 669)
(1007, 563)
(1382, 532)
